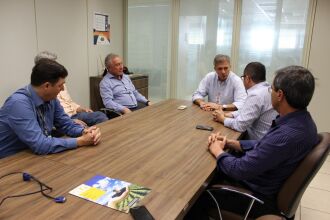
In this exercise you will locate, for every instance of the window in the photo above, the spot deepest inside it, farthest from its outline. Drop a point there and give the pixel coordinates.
(148, 43)
(204, 31)
(272, 32)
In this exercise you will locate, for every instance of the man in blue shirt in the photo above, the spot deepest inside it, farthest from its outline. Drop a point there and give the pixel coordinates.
(117, 90)
(29, 115)
(257, 113)
(224, 88)
(264, 165)
(79, 114)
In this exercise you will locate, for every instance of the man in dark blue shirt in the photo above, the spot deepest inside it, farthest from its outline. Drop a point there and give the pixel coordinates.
(264, 165)
(29, 115)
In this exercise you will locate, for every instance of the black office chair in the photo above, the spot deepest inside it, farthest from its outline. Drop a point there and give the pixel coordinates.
(97, 103)
(292, 190)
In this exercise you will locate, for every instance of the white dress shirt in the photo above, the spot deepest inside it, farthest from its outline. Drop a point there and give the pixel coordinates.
(257, 113)
(230, 91)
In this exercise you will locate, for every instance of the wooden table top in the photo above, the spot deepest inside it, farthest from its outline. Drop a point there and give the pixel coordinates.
(157, 147)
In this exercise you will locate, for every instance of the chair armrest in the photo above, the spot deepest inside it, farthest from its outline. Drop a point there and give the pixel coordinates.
(235, 189)
(110, 111)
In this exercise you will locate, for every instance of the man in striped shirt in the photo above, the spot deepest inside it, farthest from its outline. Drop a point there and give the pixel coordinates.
(257, 113)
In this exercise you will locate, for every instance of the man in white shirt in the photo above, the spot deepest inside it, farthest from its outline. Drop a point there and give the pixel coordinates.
(257, 113)
(224, 88)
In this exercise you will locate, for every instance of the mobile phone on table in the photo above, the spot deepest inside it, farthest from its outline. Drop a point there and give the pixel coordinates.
(140, 213)
(204, 127)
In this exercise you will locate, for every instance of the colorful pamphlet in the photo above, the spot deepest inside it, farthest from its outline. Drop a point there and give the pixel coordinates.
(113, 193)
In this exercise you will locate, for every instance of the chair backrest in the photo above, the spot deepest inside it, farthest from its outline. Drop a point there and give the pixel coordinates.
(294, 187)
(140, 81)
(96, 99)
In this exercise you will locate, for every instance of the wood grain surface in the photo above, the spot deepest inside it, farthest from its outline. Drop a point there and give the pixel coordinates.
(157, 147)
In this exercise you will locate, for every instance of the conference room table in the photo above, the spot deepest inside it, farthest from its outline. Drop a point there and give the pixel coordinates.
(157, 147)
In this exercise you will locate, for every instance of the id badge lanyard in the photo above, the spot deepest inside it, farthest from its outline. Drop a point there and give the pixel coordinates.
(42, 119)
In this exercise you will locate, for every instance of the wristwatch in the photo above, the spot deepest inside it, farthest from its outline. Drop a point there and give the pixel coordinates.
(224, 107)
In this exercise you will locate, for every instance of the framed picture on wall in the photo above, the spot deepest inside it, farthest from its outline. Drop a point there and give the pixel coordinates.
(101, 29)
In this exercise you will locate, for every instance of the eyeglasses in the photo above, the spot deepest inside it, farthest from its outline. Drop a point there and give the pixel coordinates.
(243, 76)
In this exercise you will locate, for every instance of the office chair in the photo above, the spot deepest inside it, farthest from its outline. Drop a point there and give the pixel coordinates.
(97, 103)
(293, 188)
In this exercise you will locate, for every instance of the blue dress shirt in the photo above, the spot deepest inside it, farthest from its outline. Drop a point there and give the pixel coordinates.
(119, 93)
(257, 113)
(26, 122)
(230, 91)
(267, 163)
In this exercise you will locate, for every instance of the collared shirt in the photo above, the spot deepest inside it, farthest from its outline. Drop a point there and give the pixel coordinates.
(257, 113)
(69, 106)
(119, 93)
(26, 120)
(271, 160)
(230, 91)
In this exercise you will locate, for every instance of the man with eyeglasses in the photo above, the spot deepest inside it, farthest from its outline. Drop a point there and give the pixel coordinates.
(224, 88)
(117, 90)
(257, 113)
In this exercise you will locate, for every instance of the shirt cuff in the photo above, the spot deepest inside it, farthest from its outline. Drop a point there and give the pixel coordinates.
(238, 105)
(225, 154)
(82, 130)
(228, 122)
(120, 108)
(235, 114)
(247, 145)
(76, 131)
(197, 97)
(72, 143)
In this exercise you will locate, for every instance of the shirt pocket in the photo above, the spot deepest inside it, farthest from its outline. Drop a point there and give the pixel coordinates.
(121, 91)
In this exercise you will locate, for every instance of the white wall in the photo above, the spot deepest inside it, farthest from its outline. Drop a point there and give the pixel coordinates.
(319, 64)
(115, 9)
(61, 26)
(18, 44)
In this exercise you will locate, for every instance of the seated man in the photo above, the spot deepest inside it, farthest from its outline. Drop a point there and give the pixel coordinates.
(81, 115)
(117, 90)
(28, 116)
(267, 163)
(257, 113)
(224, 88)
